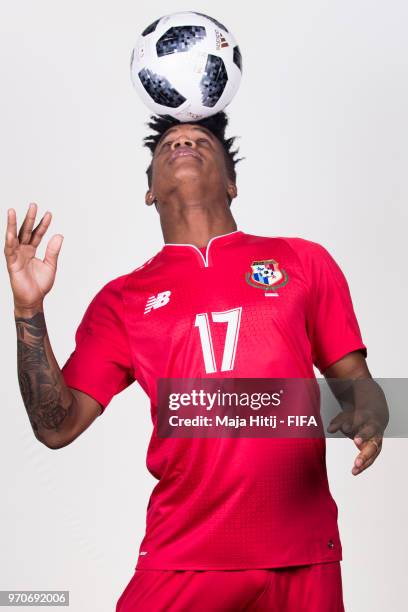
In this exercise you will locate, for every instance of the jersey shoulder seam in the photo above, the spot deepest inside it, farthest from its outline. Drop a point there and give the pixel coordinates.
(137, 373)
(299, 259)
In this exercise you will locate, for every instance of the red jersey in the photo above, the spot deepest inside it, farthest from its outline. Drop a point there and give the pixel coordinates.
(246, 307)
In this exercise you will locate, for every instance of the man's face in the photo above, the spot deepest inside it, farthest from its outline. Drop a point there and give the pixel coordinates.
(189, 155)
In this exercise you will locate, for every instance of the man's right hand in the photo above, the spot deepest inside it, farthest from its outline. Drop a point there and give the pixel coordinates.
(31, 278)
(58, 414)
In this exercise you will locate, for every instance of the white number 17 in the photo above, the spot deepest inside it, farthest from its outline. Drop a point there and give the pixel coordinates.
(233, 318)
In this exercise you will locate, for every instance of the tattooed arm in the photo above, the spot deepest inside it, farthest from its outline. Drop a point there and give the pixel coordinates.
(58, 414)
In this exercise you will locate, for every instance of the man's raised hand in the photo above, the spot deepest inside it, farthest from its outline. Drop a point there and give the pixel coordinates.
(31, 278)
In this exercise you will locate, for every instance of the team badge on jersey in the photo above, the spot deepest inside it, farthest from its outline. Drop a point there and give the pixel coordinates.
(267, 275)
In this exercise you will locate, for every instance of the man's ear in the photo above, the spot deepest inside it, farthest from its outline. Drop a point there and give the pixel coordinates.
(149, 198)
(232, 190)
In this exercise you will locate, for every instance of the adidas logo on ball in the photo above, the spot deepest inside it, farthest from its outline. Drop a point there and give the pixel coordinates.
(221, 42)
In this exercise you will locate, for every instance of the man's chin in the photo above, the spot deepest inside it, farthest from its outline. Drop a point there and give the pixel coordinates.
(187, 173)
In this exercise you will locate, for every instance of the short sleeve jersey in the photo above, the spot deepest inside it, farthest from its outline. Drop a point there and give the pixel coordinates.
(225, 503)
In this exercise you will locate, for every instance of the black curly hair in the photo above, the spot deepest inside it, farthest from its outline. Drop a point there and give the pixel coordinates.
(216, 124)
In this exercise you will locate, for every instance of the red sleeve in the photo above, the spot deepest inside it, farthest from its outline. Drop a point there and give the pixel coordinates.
(332, 325)
(101, 365)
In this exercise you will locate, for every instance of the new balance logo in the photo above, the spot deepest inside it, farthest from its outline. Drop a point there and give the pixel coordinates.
(157, 301)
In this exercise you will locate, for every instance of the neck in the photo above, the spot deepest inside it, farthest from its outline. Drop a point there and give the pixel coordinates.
(195, 223)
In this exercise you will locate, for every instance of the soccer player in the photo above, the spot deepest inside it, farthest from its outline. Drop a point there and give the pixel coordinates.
(232, 523)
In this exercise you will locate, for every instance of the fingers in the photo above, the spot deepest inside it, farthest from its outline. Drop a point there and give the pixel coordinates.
(342, 422)
(336, 423)
(11, 242)
(369, 462)
(24, 235)
(40, 230)
(52, 251)
(366, 432)
(369, 451)
(11, 222)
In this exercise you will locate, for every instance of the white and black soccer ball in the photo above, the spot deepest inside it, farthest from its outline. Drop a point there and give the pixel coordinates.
(186, 65)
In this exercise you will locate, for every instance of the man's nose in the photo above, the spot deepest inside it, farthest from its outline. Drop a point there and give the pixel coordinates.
(183, 141)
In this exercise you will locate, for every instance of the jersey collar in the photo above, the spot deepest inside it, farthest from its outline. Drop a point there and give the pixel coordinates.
(170, 249)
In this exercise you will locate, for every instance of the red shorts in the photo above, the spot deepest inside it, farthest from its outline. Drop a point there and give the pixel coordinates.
(306, 588)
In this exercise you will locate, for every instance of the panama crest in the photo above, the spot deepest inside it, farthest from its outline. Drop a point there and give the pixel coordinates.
(267, 275)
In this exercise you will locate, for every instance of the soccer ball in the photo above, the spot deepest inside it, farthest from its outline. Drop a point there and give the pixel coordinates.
(186, 65)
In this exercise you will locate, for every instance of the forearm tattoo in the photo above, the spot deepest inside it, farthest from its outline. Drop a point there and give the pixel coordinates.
(39, 377)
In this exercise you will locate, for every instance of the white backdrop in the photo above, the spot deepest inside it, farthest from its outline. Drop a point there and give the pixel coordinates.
(322, 115)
